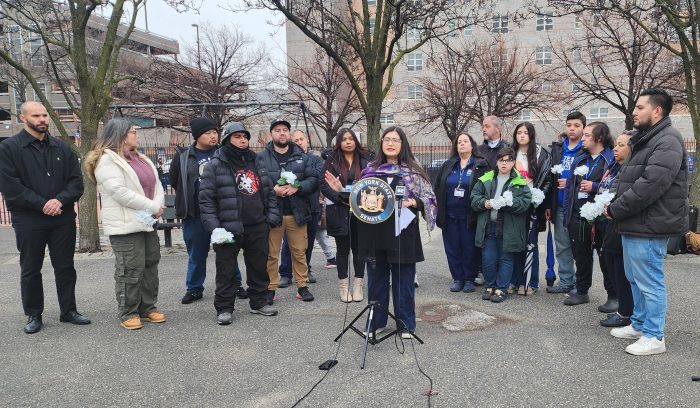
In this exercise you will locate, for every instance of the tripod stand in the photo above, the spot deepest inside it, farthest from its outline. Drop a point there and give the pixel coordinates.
(371, 338)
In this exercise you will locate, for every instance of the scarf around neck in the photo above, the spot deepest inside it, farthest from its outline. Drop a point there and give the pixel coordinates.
(416, 186)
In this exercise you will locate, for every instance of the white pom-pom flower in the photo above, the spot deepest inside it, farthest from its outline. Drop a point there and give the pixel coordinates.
(289, 176)
(221, 236)
(604, 198)
(581, 171)
(498, 203)
(537, 197)
(508, 197)
(557, 169)
(591, 211)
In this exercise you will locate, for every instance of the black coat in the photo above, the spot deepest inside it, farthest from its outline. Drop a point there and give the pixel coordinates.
(481, 166)
(543, 180)
(183, 175)
(219, 204)
(338, 214)
(317, 163)
(30, 177)
(307, 175)
(491, 153)
(652, 189)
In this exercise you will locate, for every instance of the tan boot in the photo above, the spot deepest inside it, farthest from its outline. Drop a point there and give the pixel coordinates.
(357, 295)
(343, 289)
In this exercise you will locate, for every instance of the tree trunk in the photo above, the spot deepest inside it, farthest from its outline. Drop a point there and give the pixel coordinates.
(89, 231)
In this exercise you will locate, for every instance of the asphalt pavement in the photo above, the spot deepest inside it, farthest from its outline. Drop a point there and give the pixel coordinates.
(537, 352)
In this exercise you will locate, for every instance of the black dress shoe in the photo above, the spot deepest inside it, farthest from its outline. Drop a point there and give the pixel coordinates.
(608, 307)
(242, 293)
(615, 321)
(33, 324)
(74, 317)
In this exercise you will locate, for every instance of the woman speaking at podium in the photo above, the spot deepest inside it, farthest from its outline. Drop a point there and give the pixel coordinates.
(388, 254)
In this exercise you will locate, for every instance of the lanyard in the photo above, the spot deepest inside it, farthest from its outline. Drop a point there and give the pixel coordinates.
(591, 168)
(461, 172)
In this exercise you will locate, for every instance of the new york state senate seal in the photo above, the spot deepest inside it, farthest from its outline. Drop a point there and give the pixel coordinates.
(372, 200)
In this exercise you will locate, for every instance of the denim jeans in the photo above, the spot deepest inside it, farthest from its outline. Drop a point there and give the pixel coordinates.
(565, 258)
(325, 243)
(644, 262)
(197, 243)
(402, 292)
(497, 264)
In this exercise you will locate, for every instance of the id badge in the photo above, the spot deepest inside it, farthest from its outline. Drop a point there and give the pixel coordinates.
(582, 195)
(469, 173)
(459, 192)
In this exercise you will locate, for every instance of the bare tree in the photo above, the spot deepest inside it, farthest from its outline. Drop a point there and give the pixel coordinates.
(219, 70)
(614, 60)
(372, 33)
(680, 19)
(331, 101)
(75, 54)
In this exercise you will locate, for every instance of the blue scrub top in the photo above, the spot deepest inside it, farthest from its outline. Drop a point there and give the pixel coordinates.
(459, 207)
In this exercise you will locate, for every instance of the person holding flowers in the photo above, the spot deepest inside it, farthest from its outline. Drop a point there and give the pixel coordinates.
(533, 162)
(588, 170)
(501, 201)
(296, 182)
(238, 207)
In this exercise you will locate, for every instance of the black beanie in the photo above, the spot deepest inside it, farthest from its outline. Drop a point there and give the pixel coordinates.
(201, 125)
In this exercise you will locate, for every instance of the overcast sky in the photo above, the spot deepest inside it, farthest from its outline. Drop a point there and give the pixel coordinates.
(163, 20)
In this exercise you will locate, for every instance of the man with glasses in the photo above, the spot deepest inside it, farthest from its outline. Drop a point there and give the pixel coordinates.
(293, 200)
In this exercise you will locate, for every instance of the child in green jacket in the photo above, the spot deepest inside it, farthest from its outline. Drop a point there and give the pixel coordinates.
(501, 201)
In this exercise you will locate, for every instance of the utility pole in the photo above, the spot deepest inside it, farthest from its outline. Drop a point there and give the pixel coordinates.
(199, 51)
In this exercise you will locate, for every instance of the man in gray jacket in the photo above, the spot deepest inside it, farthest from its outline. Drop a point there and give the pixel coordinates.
(651, 205)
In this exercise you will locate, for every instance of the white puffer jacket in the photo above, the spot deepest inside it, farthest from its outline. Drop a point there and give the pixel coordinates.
(122, 195)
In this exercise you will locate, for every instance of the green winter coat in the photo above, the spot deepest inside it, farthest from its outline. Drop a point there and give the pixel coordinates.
(512, 218)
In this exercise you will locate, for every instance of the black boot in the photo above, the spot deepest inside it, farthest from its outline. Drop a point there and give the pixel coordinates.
(610, 306)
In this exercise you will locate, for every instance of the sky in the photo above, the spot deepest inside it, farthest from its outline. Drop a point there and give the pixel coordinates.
(164, 20)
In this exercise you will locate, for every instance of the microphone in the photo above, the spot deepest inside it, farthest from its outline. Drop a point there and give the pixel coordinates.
(400, 191)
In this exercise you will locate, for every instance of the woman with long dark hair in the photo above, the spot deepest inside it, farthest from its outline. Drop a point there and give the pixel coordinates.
(453, 187)
(132, 198)
(388, 254)
(343, 168)
(534, 163)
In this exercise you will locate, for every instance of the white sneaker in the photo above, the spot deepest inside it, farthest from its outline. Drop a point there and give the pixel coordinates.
(377, 331)
(646, 346)
(626, 332)
(406, 335)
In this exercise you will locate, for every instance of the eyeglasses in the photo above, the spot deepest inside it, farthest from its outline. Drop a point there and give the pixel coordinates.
(505, 160)
(391, 140)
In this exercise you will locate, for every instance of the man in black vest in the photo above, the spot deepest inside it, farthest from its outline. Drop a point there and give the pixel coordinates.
(41, 180)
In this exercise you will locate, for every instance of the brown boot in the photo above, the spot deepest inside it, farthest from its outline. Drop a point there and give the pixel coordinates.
(343, 289)
(357, 295)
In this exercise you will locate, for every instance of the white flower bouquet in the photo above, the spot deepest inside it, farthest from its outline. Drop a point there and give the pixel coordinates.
(288, 178)
(537, 197)
(581, 171)
(557, 169)
(594, 211)
(221, 236)
(506, 199)
(145, 217)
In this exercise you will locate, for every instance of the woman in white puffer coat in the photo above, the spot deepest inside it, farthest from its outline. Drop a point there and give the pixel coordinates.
(132, 200)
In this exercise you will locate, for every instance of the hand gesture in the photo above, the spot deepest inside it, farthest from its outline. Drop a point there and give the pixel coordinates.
(333, 182)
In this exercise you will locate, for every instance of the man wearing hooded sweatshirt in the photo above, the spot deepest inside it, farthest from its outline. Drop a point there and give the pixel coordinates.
(236, 194)
(564, 153)
(186, 171)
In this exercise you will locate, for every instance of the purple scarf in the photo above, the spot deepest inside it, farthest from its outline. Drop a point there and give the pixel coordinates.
(418, 188)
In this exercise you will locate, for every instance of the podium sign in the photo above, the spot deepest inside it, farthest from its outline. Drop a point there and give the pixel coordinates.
(372, 200)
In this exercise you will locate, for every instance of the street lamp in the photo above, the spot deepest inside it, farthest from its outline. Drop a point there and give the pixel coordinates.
(199, 55)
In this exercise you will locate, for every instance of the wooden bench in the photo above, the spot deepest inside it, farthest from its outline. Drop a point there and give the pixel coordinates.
(169, 220)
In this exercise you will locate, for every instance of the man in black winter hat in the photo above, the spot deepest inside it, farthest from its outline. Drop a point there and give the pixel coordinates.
(186, 171)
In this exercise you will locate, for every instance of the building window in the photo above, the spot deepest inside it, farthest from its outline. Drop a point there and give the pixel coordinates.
(499, 24)
(578, 22)
(542, 86)
(423, 117)
(415, 91)
(599, 113)
(415, 62)
(386, 118)
(15, 39)
(19, 99)
(451, 28)
(469, 26)
(413, 34)
(566, 113)
(372, 23)
(597, 17)
(42, 87)
(576, 56)
(576, 87)
(545, 22)
(35, 49)
(543, 56)
(523, 115)
(4, 87)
